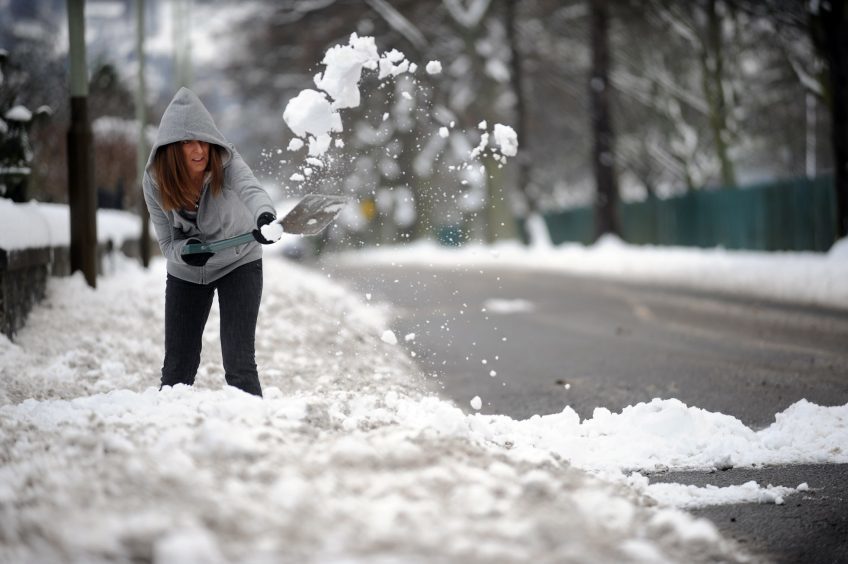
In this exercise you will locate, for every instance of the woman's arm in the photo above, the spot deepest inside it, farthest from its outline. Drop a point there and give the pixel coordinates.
(241, 179)
(170, 245)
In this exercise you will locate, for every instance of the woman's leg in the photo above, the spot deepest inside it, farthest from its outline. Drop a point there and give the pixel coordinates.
(239, 294)
(186, 310)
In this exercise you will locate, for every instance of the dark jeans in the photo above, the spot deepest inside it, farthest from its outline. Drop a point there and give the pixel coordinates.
(187, 308)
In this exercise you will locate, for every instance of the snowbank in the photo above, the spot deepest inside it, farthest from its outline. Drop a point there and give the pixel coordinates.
(349, 456)
(799, 277)
(35, 224)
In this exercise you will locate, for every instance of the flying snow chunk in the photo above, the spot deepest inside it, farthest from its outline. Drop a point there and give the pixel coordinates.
(444, 132)
(295, 144)
(434, 67)
(272, 231)
(395, 56)
(476, 403)
(344, 69)
(339, 143)
(310, 113)
(393, 63)
(506, 139)
(406, 95)
(409, 337)
(297, 177)
(389, 337)
(482, 125)
(319, 145)
(400, 68)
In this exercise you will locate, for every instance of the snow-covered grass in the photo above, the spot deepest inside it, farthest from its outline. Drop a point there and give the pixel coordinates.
(798, 277)
(349, 456)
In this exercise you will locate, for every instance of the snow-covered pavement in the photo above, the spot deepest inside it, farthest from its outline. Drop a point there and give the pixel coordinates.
(349, 457)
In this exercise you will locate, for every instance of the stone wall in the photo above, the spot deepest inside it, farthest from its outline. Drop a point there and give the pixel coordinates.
(24, 274)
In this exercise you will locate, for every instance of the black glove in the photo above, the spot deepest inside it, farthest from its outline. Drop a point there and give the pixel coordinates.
(196, 259)
(264, 219)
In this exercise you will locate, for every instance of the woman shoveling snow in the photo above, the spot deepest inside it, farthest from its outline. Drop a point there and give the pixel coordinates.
(198, 189)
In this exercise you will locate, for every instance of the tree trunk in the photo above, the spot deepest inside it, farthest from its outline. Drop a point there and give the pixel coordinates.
(517, 80)
(500, 223)
(829, 30)
(606, 199)
(712, 63)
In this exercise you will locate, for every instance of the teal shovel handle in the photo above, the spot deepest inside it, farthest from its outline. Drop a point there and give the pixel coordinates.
(195, 248)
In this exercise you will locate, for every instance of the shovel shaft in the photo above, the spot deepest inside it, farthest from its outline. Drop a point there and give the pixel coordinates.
(309, 217)
(218, 245)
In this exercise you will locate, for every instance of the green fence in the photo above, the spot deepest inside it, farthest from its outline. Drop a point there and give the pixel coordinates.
(794, 215)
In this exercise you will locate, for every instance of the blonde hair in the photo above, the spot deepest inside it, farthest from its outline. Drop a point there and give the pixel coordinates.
(174, 180)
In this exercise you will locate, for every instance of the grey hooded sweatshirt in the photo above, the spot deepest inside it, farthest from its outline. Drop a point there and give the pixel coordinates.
(233, 212)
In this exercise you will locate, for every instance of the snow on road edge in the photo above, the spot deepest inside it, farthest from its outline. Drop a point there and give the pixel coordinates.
(797, 277)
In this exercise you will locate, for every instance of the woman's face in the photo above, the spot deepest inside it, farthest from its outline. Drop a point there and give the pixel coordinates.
(196, 155)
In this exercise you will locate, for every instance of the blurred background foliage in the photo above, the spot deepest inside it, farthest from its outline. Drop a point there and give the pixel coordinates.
(705, 93)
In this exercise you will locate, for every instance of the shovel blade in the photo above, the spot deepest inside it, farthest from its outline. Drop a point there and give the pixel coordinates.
(312, 214)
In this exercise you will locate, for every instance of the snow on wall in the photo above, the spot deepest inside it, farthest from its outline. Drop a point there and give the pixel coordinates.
(35, 224)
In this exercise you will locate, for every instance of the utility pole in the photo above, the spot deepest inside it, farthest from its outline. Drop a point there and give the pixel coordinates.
(606, 197)
(83, 206)
(141, 118)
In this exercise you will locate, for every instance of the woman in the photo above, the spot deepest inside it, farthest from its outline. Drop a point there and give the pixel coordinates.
(198, 189)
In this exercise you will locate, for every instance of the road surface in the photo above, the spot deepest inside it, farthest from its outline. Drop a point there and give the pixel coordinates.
(532, 342)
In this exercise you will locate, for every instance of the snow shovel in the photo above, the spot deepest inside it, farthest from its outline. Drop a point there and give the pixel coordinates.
(309, 217)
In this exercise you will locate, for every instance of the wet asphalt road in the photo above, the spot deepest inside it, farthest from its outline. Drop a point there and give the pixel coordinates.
(591, 343)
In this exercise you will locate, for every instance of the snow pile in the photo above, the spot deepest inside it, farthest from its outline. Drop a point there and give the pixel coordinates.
(192, 473)
(34, 224)
(348, 456)
(667, 434)
(799, 277)
(311, 334)
(658, 436)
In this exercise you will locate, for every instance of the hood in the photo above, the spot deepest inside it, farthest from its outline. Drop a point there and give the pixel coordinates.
(187, 118)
